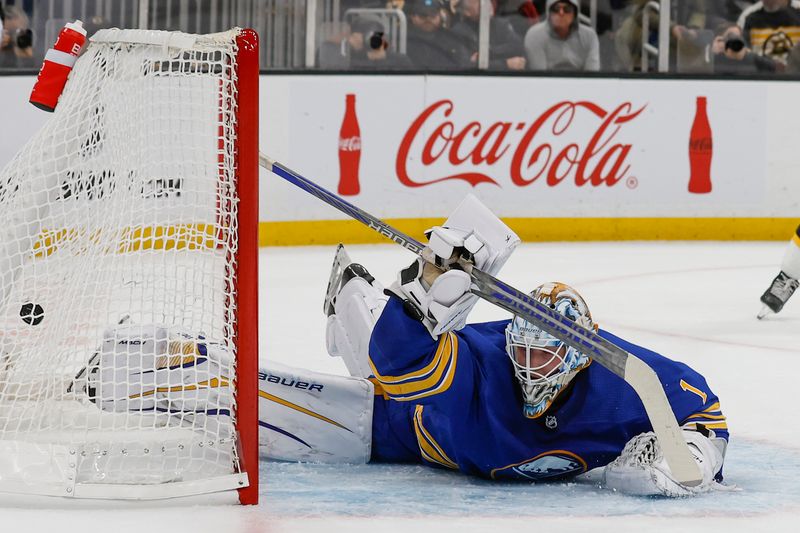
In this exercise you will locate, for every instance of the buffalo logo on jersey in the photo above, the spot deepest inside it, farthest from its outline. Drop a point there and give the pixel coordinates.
(547, 466)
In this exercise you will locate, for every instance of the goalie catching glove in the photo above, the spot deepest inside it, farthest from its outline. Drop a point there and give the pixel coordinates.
(157, 369)
(641, 469)
(437, 291)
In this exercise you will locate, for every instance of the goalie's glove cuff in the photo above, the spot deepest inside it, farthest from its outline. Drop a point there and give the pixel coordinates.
(642, 470)
(442, 305)
(437, 288)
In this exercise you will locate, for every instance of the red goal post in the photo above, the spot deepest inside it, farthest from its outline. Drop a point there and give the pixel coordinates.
(248, 168)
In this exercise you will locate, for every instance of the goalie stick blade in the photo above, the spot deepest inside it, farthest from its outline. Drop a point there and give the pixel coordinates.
(341, 260)
(607, 354)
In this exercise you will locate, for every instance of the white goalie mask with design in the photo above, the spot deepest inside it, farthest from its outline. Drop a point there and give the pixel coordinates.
(543, 364)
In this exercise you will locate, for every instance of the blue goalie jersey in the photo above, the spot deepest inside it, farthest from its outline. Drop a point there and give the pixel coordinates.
(455, 403)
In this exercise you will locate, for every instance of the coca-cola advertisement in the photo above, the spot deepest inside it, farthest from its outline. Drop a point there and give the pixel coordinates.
(411, 146)
(544, 149)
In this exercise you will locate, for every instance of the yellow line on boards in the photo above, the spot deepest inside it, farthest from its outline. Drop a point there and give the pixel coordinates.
(318, 232)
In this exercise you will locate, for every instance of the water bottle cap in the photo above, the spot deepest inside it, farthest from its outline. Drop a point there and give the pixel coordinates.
(76, 26)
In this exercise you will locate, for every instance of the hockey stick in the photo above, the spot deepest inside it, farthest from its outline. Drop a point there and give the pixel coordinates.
(627, 366)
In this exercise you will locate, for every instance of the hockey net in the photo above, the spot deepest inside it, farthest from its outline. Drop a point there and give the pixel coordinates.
(128, 282)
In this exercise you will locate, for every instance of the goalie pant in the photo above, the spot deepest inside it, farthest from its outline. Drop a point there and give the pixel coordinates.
(453, 403)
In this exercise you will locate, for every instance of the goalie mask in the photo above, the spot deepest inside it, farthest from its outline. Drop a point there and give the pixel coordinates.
(543, 364)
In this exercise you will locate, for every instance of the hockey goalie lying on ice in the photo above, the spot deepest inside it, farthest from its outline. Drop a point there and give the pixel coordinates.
(501, 400)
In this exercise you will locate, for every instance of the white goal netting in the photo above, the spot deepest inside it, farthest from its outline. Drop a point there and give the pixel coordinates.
(118, 249)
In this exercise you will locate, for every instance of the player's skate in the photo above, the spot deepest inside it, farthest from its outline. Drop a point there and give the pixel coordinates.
(353, 303)
(341, 260)
(776, 296)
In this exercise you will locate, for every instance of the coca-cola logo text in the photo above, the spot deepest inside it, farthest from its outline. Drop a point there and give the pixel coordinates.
(596, 159)
(350, 144)
(704, 144)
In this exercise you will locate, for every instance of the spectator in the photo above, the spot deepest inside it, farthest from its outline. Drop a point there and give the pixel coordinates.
(429, 44)
(521, 14)
(731, 56)
(690, 35)
(560, 43)
(628, 39)
(506, 51)
(793, 61)
(369, 47)
(771, 27)
(693, 33)
(16, 44)
(334, 46)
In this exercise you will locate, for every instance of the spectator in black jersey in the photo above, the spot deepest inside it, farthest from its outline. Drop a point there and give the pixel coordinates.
(429, 45)
(771, 27)
(731, 55)
(506, 51)
(369, 47)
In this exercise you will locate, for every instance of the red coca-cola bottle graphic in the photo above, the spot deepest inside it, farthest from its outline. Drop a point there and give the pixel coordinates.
(701, 148)
(349, 149)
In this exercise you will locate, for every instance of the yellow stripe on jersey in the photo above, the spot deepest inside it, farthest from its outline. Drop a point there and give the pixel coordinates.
(759, 37)
(377, 388)
(715, 425)
(796, 239)
(435, 378)
(425, 371)
(764, 33)
(706, 416)
(429, 449)
(685, 386)
(713, 407)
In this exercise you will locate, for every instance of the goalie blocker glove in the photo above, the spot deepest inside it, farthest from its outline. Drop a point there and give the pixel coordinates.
(437, 291)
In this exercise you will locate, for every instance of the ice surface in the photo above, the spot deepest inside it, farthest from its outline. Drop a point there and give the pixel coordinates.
(695, 302)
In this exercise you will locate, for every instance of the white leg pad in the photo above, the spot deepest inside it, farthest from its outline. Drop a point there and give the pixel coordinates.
(311, 416)
(358, 307)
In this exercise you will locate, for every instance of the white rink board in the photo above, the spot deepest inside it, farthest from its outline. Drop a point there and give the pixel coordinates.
(753, 123)
(753, 168)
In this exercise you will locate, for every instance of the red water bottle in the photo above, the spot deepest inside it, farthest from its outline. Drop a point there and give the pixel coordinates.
(57, 65)
(349, 149)
(701, 149)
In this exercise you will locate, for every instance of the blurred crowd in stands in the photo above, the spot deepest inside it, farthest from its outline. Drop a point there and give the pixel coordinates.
(706, 36)
(732, 37)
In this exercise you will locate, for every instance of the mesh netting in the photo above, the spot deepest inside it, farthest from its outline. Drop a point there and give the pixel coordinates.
(118, 242)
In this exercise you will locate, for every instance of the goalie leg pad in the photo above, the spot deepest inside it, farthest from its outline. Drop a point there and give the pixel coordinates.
(358, 306)
(155, 368)
(311, 416)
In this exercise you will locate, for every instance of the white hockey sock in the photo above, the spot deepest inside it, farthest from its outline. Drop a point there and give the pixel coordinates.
(791, 259)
